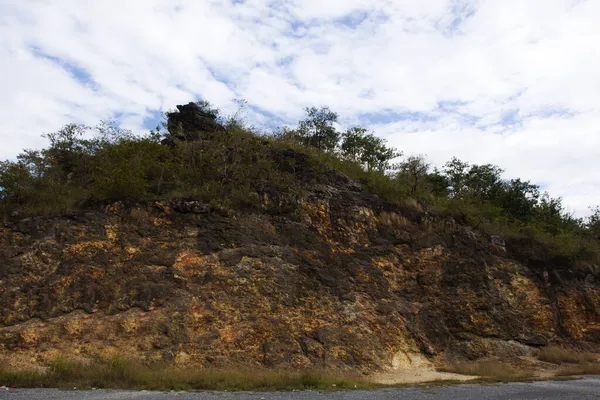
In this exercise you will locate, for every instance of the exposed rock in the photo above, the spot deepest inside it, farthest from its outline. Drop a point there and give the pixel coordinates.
(498, 242)
(194, 207)
(190, 122)
(344, 281)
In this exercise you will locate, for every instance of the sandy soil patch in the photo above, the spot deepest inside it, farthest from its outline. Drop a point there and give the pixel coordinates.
(420, 375)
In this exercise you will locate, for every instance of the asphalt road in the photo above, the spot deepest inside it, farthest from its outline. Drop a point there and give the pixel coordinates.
(586, 388)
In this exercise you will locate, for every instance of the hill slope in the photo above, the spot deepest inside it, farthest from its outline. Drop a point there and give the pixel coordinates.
(228, 249)
(341, 279)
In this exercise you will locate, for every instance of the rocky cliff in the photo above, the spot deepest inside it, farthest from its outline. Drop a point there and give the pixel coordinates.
(338, 278)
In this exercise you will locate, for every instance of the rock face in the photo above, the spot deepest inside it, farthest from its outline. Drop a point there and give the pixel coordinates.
(190, 122)
(341, 280)
(498, 242)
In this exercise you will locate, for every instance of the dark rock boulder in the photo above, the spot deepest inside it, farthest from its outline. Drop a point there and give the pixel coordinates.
(191, 122)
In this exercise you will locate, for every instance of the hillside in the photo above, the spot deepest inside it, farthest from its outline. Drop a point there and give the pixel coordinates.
(244, 250)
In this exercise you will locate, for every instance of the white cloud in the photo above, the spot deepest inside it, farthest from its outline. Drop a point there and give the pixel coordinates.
(532, 64)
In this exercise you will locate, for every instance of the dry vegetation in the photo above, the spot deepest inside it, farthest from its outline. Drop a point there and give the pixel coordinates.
(571, 362)
(489, 370)
(579, 369)
(119, 373)
(559, 355)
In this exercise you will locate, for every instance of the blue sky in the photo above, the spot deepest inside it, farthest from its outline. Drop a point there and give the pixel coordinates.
(515, 83)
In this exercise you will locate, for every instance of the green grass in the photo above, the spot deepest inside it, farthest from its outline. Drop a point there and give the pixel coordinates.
(119, 373)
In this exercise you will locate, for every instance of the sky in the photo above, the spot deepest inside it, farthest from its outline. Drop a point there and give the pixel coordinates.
(514, 83)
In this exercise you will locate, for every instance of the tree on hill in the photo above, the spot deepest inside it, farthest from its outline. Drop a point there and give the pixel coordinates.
(317, 129)
(414, 171)
(593, 222)
(519, 198)
(367, 149)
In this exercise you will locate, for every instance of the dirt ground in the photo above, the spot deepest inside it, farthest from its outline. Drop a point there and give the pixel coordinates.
(420, 375)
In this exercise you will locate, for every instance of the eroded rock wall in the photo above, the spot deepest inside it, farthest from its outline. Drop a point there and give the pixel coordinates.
(342, 281)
